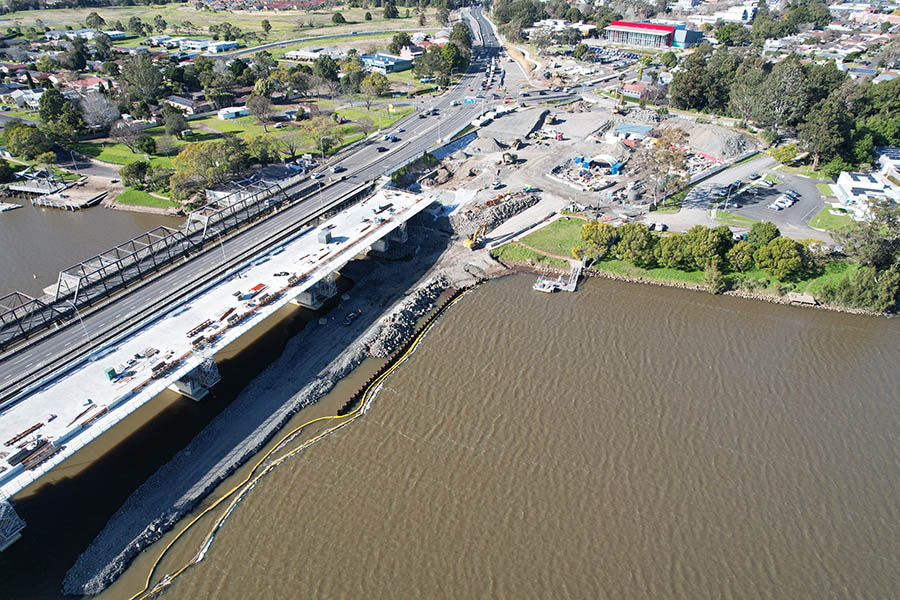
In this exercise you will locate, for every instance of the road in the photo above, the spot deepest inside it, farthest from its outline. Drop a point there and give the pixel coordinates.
(40, 357)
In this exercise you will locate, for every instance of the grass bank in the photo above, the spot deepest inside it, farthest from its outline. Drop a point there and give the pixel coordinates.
(140, 198)
(824, 219)
(558, 237)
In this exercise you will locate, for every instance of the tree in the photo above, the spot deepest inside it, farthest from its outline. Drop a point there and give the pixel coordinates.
(6, 172)
(94, 21)
(761, 233)
(26, 141)
(261, 108)
(175, 123)
(159, 24)
(262, 149)
(596, 239)
(688, 88)
(145, 143)
(398, 42)
(461, 36)
(103, 47)
(374, 85)
(338, 19)
(454, 58)
(143, 79)
(390, 10)
(668, 59)
(782, 258)
(740, 257)
(126, 133)
(326, 68)
(208, 163)
(99, 111)
(744, 97)
(267, 27)
(783, 95)
(714, 279)
(368, 16)
(635, 244)
(135, 174)
(45, 158)
(580, 51)
(443, 15)
(51, 105)
(876, 241)
(77, 56)
(320, 130)
(664, 162)
(733, 34)
(706, 246)
(824, 129)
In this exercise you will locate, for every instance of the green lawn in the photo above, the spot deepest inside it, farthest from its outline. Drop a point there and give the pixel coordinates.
(672, 203)
(825, 220)
(243, 126)
(729, 218)
(141, 198)
(834, 271)
(620, 267)
(769, 177)
(118, 154)
(557, 238)
(825, 189)
(28, 115)
(514, 252)
(379, 116)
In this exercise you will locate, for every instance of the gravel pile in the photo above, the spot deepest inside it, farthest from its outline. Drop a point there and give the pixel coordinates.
(718, 142)
(643, 115)
(467, 222)
(396, 328)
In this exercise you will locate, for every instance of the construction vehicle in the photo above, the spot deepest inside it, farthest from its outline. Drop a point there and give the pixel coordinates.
(473, 242)
(509, 158)
(619, 108)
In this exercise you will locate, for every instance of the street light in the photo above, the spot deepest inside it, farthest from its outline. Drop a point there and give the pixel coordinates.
(221, 245)
(78, 314)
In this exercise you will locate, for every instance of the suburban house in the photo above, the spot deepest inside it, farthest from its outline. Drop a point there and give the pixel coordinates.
(635, 90)
(89, 84)
(185, 105)
(855, 190)
(411, 52)
(27, 98)
(385, 63)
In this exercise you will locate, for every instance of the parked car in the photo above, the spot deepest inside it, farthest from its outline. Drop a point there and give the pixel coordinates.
(754, 176)
(792, 194)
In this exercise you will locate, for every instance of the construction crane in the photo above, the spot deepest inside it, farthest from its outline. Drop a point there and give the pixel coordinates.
(476, 239)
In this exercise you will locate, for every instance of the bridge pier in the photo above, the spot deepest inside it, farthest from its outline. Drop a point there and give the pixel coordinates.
(195, 385)
(316, 295)
(11, 525)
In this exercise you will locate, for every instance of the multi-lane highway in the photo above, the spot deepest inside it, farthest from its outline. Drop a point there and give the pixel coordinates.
(32, 361)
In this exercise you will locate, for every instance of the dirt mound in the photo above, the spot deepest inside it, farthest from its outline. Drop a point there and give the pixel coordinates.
(715, 141)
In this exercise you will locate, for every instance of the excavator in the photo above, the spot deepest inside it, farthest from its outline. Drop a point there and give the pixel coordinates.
(473, 242)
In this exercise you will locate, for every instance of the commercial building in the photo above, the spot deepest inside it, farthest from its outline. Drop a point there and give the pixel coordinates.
(643, 35)
(216, 47)
(232, 112)
(386, 63)
(855, 190)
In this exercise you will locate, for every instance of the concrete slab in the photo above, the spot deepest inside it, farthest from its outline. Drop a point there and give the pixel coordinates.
(82, 403)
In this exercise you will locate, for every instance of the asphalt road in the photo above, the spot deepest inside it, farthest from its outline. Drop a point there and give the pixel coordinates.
(365, 164)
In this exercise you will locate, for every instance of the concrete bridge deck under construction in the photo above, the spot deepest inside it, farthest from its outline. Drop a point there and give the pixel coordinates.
(176, 349)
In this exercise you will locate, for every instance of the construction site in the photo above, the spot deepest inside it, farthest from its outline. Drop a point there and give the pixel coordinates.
(580, 156)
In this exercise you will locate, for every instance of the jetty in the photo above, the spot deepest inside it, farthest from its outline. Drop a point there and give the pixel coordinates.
(62, 202)
(5, 206)
(550, 285)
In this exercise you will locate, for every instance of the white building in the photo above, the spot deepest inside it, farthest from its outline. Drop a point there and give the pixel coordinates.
(855, 190)
(198, 45)
(216, 47)
(116, 35)
(233, 112)
(158, 40)
(888, 161)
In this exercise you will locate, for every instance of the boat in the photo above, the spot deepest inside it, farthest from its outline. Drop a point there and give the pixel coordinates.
(545, 285)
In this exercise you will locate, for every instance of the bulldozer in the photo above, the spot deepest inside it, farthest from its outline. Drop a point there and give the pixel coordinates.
(473, 242)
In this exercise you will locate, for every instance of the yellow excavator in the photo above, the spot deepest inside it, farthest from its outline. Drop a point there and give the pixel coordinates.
(473, 242)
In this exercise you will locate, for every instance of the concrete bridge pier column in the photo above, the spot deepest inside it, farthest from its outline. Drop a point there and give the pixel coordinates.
(400, 234)
(196, 384)
(315, 296)
(11, 525)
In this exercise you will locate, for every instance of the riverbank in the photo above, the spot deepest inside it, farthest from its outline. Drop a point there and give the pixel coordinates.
(524, 267)
(389, 297)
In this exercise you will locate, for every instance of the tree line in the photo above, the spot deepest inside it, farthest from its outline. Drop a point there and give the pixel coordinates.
(838, 121)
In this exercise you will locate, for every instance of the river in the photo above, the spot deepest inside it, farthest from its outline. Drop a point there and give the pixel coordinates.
(42, 241)
(623, 441)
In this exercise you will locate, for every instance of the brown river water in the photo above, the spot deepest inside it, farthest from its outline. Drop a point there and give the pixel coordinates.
(625, 441)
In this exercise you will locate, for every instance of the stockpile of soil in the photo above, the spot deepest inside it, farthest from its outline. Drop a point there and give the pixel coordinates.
(715, 141)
